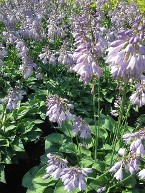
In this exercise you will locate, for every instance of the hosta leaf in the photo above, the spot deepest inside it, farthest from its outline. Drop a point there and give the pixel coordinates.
(55, 138)
(3, 141)
(99, 166)
(27, 179)
(59, 188)
(2, 174)
(48, 190)
(132, 191)
(11, 127)
(69, 148)
(86, 162)
(17, 144)
(38, 121)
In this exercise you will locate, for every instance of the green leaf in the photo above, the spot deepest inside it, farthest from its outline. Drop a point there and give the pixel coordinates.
(69, 148)
(66, 128)
(38, 121)
(59, 188)
(84, 151)
(2, 174)
(107, 147)
(48, 190)
(17, 144)
(132, 191)
(55, 138)
(11, 127)
(27, 179)
(99, 166)
(37, 188)
(86, 162)
(22, 112)
(131, 182)
(109, 99)
(3, 141)
(98, 182)
(39, 177)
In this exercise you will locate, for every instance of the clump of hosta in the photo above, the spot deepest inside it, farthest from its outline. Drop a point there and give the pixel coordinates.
(90, 45)
(62, 56)
(72, 177)
(13, 13)
(12, 99)
(124, 14)
(126, 55)
(56, 166)
(47, 56)
(32, 28)
(28, 66)
(8, 17)
(66, 56)
(54, 30)
(138, 97)
(130, 160)
(58, 109)
(81, 127)
(9, 37)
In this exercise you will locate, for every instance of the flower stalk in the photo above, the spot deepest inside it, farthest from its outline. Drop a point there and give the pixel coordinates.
(98, 114)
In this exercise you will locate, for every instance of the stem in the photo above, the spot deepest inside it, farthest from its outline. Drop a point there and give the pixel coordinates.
(95, 121)
(72, 142)
(3, 118)
(119, 123)
(118, 183)
(97, 127)
(99, 110)
(79, 149)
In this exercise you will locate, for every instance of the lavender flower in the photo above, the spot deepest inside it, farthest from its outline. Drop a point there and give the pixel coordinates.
(66, 58)
(58, 109)
(126, 55)
(130, 162)
(116, 167)
(119, 174)
(72, 177)
(138, 97)
(75, 178)
(45, 55)
(124, 14)
(15, 95)
(133, 136)
(117, 104)
(80, 126)
(122, 151)
(56, 166)
(102, 189)
(89, 46)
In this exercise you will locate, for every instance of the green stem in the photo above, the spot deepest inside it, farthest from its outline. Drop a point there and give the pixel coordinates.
(97, 126)
(99, 110)
(95, 121)
(72, 142)
(118, 128)
(79, 149)
(118, 183)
